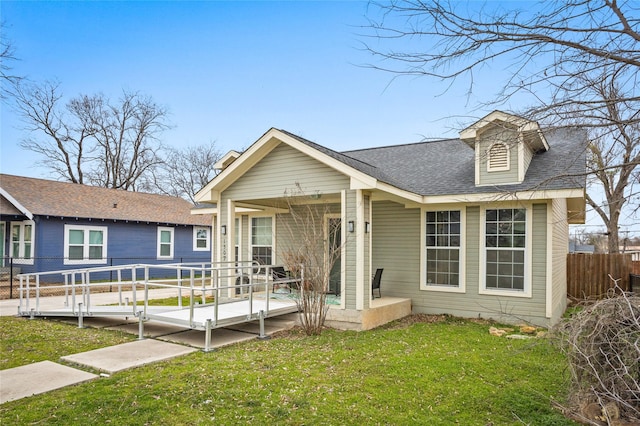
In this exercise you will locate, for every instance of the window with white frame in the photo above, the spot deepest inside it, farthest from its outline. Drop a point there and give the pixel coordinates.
(165, 243)
(443, 250)
(22, 236)
(505, 249)
(498, 157)
(85, 244)
(201, 238)
(262, 240)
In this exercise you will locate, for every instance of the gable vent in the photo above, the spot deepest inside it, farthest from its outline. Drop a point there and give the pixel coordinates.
(498, 157)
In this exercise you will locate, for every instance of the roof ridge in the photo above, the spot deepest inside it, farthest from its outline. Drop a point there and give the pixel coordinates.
(402, 144)
(307, 141)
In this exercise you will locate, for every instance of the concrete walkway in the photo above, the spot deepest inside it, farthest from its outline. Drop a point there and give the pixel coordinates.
(162, 342)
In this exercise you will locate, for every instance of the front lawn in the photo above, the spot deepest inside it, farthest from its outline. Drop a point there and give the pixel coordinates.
(438, 373)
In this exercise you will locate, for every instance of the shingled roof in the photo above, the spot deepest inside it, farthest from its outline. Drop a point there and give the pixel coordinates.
(62, 199)
(447, 167)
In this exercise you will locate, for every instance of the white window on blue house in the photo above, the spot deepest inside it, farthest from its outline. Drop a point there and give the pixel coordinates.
(262, 240)
(506, 252)
(85, 244)
(22, 236)
(201, 238)
(443, 256)
(165, 243)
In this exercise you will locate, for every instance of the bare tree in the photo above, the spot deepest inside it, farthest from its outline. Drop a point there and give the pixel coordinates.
(185, 171)
(313, 246)
(91, 140)
(7, 56)
(578, 59)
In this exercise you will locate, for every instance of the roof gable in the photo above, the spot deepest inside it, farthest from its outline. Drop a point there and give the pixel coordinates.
(51, 198)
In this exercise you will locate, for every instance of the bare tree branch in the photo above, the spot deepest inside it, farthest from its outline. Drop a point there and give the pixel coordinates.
(579, 60)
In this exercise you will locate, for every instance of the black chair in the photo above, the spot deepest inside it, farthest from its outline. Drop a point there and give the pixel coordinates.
(240, 280)
(375, 283)
(280, 277)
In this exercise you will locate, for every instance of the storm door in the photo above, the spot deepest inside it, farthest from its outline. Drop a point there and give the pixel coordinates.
(333, 254)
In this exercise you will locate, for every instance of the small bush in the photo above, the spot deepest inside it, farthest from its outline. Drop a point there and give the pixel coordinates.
(602, 344)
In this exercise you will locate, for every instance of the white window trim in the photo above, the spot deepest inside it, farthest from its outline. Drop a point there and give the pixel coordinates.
(85, 261)
(273, 236)
(528, 261)
(21, 260)
(461, 288)
(195, 238)
(503, 168)
(158, 245)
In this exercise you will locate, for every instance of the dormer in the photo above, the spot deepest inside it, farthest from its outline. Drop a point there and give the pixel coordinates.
(504, 145)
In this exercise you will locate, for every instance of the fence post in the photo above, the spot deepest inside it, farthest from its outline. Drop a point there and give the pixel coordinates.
(11, 278)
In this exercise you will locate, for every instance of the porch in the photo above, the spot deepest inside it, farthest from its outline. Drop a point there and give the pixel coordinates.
(380, 311)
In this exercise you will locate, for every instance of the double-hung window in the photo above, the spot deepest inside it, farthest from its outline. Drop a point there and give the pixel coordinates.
(201, 238)
(505, 241)
(85, 244)
(165, 243)
(443, 252)
(262, 240)
(22, 242)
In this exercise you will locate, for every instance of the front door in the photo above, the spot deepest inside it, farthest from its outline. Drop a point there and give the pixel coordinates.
(333, 254)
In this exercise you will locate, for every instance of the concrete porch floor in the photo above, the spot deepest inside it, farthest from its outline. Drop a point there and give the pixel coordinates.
(381, 311)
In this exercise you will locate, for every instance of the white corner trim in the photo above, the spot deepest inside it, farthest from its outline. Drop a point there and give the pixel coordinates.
(549, 260)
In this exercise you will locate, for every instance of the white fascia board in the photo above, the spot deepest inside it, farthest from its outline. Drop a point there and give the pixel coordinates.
(504, 196)
(16, 204)
(356, 183)
(410, 197)
(207, 210)
(260, 148)
(231, 155)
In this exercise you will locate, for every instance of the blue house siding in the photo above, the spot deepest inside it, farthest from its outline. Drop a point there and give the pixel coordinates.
(127, 243)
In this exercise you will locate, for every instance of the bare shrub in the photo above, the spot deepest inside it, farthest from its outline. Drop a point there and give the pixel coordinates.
(602, 344)
(309, 254)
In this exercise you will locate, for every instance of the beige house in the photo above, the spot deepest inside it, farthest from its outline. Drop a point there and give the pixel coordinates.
(473, 227)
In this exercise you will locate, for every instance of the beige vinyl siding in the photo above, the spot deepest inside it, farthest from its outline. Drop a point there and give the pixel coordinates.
(396, 248)
(488, 138)
(560, 247)
(281, 170)
(528, 156)
(537, 305)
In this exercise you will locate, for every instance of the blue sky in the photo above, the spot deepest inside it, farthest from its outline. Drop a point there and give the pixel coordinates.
(228, 71)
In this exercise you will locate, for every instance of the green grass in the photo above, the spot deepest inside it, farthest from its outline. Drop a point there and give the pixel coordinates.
(24, 341)
(451, 372)
(173, 301)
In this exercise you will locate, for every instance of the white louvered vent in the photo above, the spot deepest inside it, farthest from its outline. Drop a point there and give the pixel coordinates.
(498, 158)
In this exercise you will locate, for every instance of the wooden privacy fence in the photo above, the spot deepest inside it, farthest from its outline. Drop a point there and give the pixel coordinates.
(588, 274)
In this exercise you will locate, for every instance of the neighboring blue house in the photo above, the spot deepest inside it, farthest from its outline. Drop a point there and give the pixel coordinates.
(47, 225)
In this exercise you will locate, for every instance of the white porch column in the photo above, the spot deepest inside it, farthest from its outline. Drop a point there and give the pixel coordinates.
(230, 244)
(360, 240)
